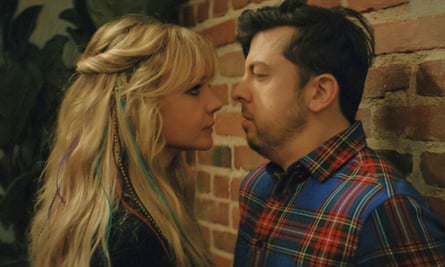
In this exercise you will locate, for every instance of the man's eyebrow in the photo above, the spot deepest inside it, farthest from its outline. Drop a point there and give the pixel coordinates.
(257, 63)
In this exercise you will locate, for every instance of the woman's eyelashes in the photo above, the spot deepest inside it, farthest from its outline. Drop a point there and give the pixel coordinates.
(195, 90)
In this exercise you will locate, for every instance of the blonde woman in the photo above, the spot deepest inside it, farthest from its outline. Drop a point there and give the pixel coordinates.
(115, 191)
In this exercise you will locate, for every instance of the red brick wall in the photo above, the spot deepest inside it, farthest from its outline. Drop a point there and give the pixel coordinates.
(403, 107)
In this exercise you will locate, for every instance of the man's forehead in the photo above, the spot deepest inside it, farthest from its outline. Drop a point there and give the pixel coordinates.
(276, 34)
(269, 45)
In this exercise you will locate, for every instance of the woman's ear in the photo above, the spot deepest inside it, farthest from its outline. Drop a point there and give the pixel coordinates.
(325, 92)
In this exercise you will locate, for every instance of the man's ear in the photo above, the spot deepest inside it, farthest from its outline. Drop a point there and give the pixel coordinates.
(324, 92)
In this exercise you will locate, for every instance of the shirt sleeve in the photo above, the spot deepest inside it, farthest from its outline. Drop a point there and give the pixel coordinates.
(402, 231)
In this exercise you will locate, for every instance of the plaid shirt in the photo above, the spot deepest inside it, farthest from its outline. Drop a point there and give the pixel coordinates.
(340, 205)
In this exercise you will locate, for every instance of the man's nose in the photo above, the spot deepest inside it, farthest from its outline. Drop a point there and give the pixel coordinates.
(240, 92)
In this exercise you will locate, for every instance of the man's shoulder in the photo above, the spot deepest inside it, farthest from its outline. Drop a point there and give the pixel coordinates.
(370, 166)
(373, 163)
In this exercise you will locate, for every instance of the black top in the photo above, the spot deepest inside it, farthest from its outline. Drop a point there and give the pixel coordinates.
(132, 244)
(134, 241)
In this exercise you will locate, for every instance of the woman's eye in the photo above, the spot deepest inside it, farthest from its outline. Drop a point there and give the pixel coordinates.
(194, 90)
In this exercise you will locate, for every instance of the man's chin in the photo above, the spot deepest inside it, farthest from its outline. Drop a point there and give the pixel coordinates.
(256, 147)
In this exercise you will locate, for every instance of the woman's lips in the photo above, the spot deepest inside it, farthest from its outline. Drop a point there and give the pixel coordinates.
(209, 127)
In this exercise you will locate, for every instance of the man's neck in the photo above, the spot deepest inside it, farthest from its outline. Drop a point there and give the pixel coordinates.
(314, 134)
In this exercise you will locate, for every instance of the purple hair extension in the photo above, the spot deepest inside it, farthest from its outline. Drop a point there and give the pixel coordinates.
(62, 161)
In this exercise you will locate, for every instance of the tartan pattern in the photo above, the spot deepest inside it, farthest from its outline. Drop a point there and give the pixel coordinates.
(353, 209)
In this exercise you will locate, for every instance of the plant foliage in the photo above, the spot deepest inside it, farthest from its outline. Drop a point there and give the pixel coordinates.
(32, 81)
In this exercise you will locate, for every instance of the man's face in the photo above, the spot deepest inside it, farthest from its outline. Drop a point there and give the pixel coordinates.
(270, 93)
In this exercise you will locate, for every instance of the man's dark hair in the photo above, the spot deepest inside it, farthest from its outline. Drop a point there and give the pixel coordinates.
(334, 40)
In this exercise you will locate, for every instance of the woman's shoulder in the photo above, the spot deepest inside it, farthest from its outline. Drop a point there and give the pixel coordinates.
(131, 243)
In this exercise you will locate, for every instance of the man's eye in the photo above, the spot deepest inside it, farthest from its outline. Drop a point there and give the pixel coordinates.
(259, 75)
(195, 90)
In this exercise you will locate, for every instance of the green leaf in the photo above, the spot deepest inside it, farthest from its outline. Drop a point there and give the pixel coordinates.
(19, 196)
(167, 9)
(70, 15)
(21, 83)
(7, 11)
(84, 26)
(56, 73)
(14, 254)
(8, 8)
(78, 15)
(102, 11)
(21, 29)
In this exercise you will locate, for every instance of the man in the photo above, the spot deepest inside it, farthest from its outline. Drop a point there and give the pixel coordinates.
(325, 198)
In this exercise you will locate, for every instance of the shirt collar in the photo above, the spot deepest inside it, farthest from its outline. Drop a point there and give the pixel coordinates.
(330, 156)
(335, 152)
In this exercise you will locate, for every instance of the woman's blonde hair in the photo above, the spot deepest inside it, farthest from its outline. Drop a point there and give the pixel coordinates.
(110, 121)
